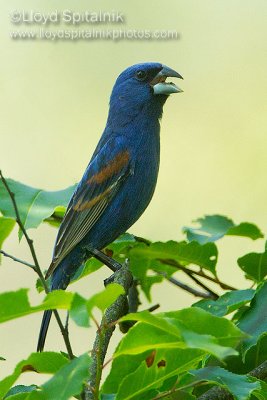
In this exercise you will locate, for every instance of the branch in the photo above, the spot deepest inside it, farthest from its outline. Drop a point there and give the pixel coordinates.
(105, 331)
(108, 261)
(17, 259)
(176, 264)
(218, 393)
(187, 288)
(201, 284)
(36, 266)
(260, 372)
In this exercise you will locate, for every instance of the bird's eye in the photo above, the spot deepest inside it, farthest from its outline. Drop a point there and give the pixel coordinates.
(141, 75)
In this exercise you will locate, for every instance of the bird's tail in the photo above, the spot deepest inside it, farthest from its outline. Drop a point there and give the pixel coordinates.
(43, 330)
(60, 280)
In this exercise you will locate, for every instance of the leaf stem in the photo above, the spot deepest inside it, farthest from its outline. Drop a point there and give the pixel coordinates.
(177, 390)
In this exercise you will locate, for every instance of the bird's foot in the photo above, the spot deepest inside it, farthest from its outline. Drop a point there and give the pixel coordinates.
(111, 278)
(108, 261)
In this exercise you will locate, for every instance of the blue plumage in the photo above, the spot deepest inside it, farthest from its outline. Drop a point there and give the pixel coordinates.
(120, 179)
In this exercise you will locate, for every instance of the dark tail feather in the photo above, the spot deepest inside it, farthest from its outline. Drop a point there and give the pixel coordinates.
(43, 331)
(59, 280)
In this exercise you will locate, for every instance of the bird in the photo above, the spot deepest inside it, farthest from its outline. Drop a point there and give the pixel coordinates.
(121, 177)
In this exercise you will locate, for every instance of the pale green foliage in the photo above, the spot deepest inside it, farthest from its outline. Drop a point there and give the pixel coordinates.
(172, 353)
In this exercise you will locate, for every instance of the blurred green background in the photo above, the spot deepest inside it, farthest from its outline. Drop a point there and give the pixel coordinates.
(53, 107)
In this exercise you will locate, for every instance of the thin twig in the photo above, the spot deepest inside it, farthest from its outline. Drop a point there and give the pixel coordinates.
(187, 288)
(67, 321)
(201, 284)
(17, 259)
(153, 308)
(176, 264)
(107, 362)
(20, 224)
(176, 390)
(95, 321)
(65, 334)
(36, 266)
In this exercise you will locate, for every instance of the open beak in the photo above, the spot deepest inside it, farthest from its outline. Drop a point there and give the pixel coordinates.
(159, 84)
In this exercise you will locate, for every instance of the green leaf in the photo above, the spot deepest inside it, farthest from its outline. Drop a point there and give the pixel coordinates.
(59, 212)
(122, 243)
(16, 304)
(46, 362)
(254, 320)
(39, 286)
(204, 256)
(227, 303)
(68, 381)
(214, 227)
(14, 391)
(56, 218)
(57, 299)
(6, 226)
(239, 385)
(211, 228)
(87, 268)
(108, 396)
(192, 328)
(254, 265)
(34, 205)
(105, 298)
(145, 379)
(78, 311)
(123, 366)
(203, 323)
(261, 393)
(21, 396)
(255, 356)
(208, 343)
(246, 229)
(147, 284)
(143, 337)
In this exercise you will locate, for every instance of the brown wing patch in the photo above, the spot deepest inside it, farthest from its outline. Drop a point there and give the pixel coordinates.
(88, 204)
(85, 205)
(111, 169)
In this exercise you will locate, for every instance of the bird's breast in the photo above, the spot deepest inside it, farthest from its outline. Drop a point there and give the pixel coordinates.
(144, 172)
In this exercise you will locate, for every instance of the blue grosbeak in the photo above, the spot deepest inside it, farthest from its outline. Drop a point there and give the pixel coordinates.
(120, 179)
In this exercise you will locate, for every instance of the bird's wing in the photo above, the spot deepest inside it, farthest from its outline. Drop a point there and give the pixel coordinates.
(100, 182)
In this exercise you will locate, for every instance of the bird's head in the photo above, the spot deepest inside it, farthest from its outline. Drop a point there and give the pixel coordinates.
(142, 86)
